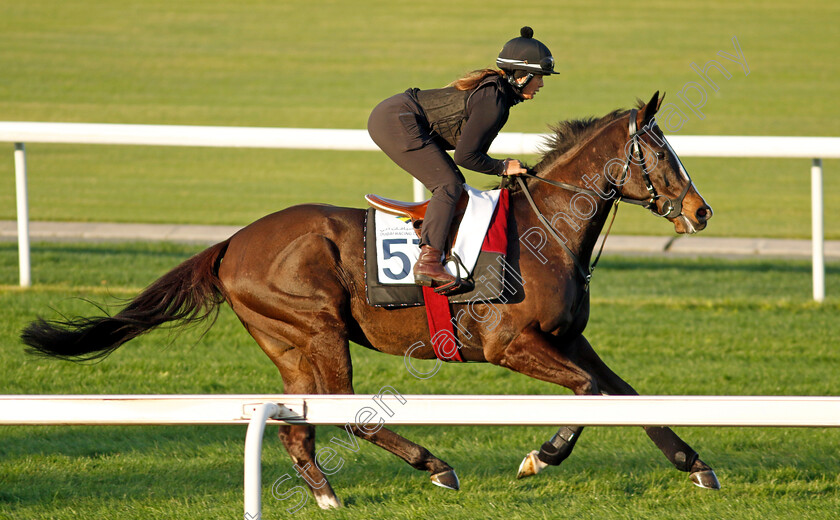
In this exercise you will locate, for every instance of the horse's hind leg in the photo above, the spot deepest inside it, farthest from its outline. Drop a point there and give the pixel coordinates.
(303, 329)
(299, 440)
(415, 455)
(418, 457)
(327, 369)
(339, 381)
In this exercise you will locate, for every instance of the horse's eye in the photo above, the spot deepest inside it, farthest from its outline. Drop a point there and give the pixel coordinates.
(660, 155)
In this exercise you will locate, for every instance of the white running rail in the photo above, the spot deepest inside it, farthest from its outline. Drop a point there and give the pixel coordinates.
(814, 148)
(391, 408)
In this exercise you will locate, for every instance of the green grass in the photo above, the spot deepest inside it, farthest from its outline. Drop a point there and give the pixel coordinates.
(670, 326)
(326, 65)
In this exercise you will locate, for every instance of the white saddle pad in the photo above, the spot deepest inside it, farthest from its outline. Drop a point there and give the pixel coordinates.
(397, 245)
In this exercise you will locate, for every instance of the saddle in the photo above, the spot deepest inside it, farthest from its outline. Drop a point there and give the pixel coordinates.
(416, 211)
(390, 247)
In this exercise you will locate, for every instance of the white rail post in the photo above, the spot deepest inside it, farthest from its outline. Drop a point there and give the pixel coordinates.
(22, 216)
(253, 459)
(817, 230)
(419, 191)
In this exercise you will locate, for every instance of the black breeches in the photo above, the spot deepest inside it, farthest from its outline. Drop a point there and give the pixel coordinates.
(403, 134)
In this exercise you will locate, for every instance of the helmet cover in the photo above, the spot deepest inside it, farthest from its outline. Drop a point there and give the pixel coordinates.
(526, 54)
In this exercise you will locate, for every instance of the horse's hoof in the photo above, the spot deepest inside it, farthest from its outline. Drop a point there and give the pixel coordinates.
(705, 479)
(327, 501)
(530, 466)
(446, 479)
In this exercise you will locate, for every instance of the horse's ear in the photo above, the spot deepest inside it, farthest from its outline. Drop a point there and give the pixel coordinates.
(651, 108)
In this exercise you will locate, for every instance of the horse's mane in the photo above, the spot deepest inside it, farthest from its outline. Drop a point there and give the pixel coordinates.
(567, 134)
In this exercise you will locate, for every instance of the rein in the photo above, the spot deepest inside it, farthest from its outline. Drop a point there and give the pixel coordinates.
(671, 208)
(586, 274)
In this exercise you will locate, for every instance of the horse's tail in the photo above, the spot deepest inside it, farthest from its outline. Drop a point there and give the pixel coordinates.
(189, 293)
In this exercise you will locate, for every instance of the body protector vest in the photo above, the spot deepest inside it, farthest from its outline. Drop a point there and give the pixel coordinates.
(446, 109)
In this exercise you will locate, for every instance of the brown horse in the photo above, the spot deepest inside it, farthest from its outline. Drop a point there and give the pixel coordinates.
(296, 281)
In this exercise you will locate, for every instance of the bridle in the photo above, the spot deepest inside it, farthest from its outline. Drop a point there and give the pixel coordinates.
(671, 208)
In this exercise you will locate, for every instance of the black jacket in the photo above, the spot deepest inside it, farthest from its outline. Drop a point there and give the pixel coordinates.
(468, 121)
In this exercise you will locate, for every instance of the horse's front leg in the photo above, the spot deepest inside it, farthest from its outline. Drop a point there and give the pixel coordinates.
(681, 455)
(541, 356)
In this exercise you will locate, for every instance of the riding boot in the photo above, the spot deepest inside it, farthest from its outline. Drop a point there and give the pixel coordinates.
(429, 270)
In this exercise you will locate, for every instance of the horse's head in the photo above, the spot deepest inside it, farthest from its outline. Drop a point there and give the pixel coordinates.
(653, 176)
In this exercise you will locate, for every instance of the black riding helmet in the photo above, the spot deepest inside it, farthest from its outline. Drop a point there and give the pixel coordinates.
(525, 57)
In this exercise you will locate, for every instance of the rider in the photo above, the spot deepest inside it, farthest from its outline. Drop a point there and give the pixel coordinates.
(416, 127)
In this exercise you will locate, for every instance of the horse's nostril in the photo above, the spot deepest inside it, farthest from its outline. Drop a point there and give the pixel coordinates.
(702, 214)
